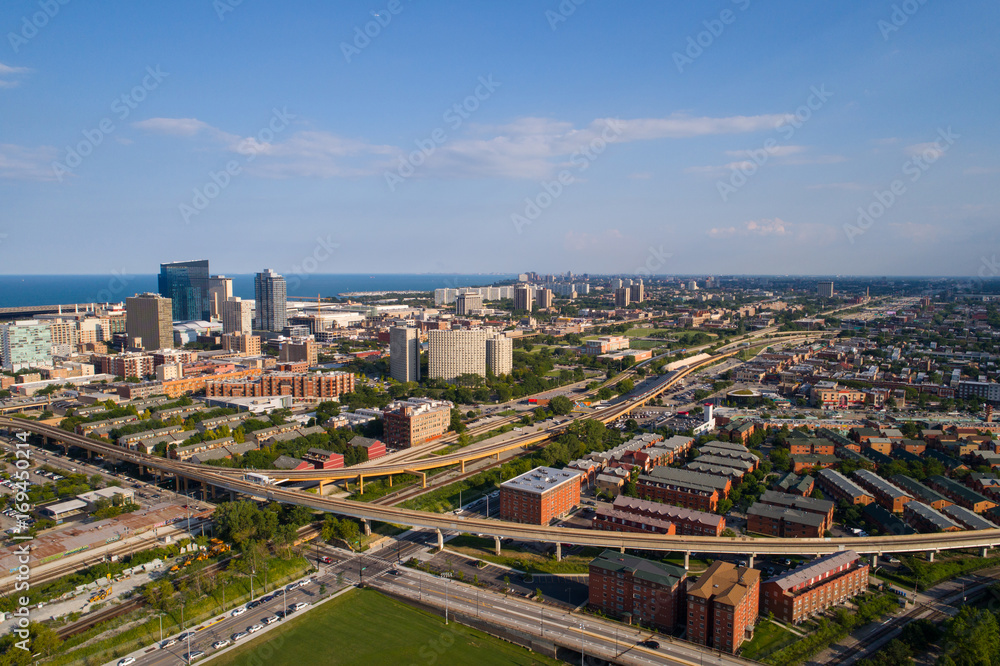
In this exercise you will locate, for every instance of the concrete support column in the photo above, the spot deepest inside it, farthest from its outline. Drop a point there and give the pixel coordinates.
(930, 556)
(367, 525)
(496, 546)
(874, 561)
(462, 463)
(985, 553)
(440, 540)
(498, 456)
(558, 552)
(687, 560)
(232, 495)
(752, 556)
(204, 494)
(361, 484)
(623, 548)
(321, 484)
(423, 479)
(390, 480)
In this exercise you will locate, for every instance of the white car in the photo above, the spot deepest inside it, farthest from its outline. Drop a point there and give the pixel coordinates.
(270, 620)
(238, 611)
(255, 628)
(240, 635)
(299, 606)
(220, 644)
(126, 661)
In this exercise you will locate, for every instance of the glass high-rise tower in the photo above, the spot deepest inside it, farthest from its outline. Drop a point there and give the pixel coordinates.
(185, 283)
(270, 291)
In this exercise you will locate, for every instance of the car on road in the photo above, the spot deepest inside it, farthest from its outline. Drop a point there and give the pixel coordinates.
(217, 645)
(167, 643)
(254, 604)
(325, 559)
(271, 619)
(191, 656)
(126, 661)
(299, 606)
(650, 643)
(238, 636)
(238, 611)
(255, 628)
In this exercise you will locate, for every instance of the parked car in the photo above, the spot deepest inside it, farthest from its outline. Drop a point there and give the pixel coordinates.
(255, 628)
(221, 644)
(239, 635)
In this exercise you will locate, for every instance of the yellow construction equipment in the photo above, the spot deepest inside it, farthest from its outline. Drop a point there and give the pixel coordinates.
(100, 595)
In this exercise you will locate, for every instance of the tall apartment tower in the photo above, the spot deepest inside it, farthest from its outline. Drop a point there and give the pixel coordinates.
(185, 283)
(637, 292)
(623, 297)
(544, 298)
(825, 289)
(148, 317)
(456, 352)
(522, 298)
(466, 303)
(236, 316)
(499, 354)
(220, 290)
(25, 344)
(404, 354)
(270, 291)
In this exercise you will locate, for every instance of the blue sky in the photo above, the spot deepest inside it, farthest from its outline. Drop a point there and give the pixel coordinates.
(710, 137)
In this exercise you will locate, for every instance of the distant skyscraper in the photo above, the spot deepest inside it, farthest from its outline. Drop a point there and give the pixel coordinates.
(404, 354)
(544, 298)
(466, 303)
(825, 289)
(637, 293)
(185, 283)
(147, 316)
(25, 344)
(220, 289)
(270, 291)
(623, 296)
(522, 298)
(236, 316)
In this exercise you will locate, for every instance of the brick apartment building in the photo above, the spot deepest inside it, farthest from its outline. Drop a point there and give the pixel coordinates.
(375, 447)
(926, 520)
(886, 494)
(323, 459)
(811, 588)
(410, 425)
(810, 446)
(612, 520)
(650, 592)
(808, 504)
(538, 496)
(779, 521)
(686, 522)
(962, 496)
(723, 606)
(315, 386)
(691, 490)
(838, 487)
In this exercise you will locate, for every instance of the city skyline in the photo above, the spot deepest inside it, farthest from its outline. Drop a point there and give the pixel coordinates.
(836, 140)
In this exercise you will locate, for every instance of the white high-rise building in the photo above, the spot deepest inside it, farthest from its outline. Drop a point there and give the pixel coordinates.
(220, 290)
(404, 354)
(237, 316)
(499, 354)
(445, 296)
(466, 303)
(456, 352)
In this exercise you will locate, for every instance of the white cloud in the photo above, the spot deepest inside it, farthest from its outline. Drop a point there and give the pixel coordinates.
(764, 227)
(18, 162)
(528, 147)
(8, 75)
(777, 151)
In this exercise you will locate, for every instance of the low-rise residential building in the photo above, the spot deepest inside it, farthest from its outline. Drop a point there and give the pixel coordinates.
(687, 521)
(815, 586)
(838, 487)
(886, 494)
(926, 520)
(820, 507)
(928, 496)
(692, 490)
(779, 521)
(962, 495)
(374, 447)
(538, 496)
(646, 591)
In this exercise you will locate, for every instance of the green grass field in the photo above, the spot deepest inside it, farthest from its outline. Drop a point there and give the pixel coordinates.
(365, 627)
(646, 332)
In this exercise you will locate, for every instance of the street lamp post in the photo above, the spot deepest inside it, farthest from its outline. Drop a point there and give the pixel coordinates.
(581, 644)
(161, 627)
(447, 580)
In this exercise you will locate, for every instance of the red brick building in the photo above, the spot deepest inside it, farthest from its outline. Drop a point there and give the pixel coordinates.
(538, 496)
(811, 588)
(778, 521)
(623, 521)
(723, 605)
(375, 447)
(650, 592)
(808, 504)
(691, 490)
(314, 385)
(322, 459)
(686, 521)
(410, 425)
